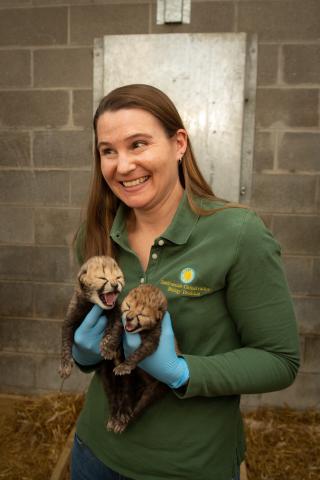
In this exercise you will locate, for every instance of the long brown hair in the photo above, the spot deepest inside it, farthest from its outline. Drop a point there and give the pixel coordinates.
(103, 204)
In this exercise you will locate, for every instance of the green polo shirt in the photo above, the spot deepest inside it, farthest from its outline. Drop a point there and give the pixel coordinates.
(234, 322)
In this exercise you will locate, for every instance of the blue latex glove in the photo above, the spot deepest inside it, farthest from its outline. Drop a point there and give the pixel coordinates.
(164, 364)
(87, 337)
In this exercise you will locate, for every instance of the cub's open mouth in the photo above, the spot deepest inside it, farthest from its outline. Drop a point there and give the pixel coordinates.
(130, 327)
(108, 299)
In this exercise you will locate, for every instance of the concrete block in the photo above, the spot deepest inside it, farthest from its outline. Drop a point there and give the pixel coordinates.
(83, 108)
(80, 186)
(299, 274)
(301, 64)
(292, 108)
(34, 108)
(89, 22)
(51, 300)
(17, 372)
(15, 68)
(16, 262)
(299, 151)
(267, 219)
(312, 354)
(48, 264)
(304, 393)
(264, 149)
(284, 193)
(56, 226)
(206, 17)
(30, 336)
(307, 311)
(315, 289)
(34, 188)
(280, 21)
(298, 234)
(34, 26)
(16, 3)
(47, 377)
(16, 225)
(16, 299)
(63, 67)
(267, 64)
(53, 264)
(63, 149)
(15, 149)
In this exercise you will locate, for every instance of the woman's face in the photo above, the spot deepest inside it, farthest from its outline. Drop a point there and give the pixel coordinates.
(138, 159)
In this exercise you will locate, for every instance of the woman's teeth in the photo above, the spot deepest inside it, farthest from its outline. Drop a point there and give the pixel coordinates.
(132, 183)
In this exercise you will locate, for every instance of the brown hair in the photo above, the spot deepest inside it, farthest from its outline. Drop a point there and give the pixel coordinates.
(103, 204)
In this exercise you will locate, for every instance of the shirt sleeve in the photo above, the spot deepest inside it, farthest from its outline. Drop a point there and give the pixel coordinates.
(259, 302)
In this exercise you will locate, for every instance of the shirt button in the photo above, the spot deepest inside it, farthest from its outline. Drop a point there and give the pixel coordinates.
(154, 256)
(141, 280)
(161, 242)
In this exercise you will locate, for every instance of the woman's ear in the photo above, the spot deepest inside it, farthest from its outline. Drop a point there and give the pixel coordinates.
(182, 141)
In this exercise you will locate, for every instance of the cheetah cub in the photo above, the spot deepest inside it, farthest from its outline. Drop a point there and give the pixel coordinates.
(142, 312)
(99, 281)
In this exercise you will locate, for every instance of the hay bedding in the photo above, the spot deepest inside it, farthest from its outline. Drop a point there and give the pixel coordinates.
(33, 431)
(282, 444)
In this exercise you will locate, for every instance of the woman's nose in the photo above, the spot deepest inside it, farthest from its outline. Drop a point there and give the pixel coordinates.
(125, 164)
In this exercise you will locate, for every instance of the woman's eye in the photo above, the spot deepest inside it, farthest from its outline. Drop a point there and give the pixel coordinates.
(138, 144)
(106, 151)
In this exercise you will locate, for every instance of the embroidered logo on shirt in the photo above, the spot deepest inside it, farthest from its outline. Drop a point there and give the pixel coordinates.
(187, 275)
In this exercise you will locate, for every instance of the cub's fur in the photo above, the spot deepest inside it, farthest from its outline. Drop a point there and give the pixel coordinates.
(100, 280)
(142, 311)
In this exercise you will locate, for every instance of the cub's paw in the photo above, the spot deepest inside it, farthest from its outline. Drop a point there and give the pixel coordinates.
(65, 369)
(123, 369)
(106, 350)
(117, 425)
(110, 424)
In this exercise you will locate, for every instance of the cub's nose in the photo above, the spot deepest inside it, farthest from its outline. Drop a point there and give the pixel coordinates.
(114, 285)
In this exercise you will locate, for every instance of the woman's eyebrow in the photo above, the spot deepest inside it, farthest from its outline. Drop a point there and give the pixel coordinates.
(129, 137)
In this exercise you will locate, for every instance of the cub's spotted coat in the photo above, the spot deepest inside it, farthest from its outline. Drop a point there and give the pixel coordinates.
(100, 280)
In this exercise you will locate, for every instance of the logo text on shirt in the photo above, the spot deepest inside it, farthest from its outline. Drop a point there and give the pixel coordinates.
(186, 290)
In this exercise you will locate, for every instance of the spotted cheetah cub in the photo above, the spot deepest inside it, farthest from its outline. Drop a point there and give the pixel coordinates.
(142, 311)
(99, 281)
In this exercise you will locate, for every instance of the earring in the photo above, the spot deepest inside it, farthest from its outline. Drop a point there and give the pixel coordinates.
(180, 161)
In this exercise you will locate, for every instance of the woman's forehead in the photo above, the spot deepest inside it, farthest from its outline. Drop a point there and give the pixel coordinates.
(126, 123)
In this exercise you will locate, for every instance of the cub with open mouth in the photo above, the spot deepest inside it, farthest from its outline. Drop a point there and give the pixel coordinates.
(99, 281)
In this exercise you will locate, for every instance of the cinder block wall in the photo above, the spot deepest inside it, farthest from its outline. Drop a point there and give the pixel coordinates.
(45, 161)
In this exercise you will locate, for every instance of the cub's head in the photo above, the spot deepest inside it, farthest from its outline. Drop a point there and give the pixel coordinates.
(100, 281)
(143, 308)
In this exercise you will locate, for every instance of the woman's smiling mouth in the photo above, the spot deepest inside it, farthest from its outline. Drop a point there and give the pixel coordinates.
(137, 181)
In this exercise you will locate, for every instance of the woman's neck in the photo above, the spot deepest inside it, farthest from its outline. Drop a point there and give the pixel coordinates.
(155, 220)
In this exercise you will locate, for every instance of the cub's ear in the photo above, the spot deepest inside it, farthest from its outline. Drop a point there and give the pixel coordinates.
(81, 274)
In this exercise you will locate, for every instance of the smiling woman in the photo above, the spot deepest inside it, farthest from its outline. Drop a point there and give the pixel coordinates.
(229, 307)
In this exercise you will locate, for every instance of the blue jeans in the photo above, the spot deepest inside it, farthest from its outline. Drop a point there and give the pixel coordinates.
(86, 466)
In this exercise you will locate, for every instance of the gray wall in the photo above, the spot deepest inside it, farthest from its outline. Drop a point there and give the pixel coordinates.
(45, 144)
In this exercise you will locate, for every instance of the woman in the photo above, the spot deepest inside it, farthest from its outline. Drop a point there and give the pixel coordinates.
(229, 304)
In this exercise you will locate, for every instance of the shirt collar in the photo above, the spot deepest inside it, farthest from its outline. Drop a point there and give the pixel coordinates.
(178, 231)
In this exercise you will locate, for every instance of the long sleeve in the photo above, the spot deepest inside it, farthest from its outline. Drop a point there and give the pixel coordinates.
(258, 300)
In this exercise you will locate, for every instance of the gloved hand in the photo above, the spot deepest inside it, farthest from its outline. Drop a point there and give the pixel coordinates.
(163, 364)
(87, 337)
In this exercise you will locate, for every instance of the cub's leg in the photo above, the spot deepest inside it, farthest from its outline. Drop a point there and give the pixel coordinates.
(77, 310)
(112, 338)
(152, 392)
(149, 343)
(120, 403)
